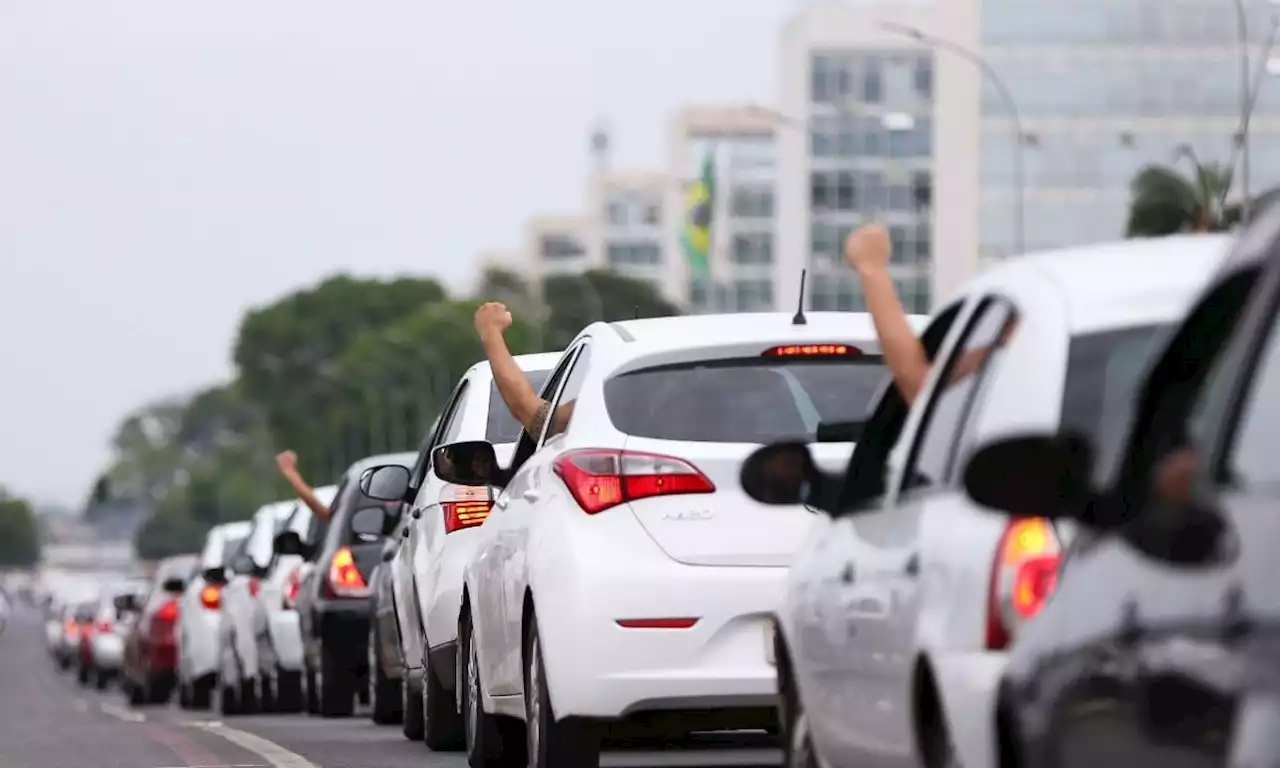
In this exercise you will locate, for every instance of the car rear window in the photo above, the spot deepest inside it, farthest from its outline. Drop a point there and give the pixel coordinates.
(232, 547)
(1103, 373)
(743, 400)
(502, 426)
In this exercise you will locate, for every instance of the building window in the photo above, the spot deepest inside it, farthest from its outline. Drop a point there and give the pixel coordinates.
(616, 213)
(753, 295)
(750, 203)
(558, 247)
(652, 214)
(915, 293)
(922, 190)
(699, 297)
(872, 80)
(828, 78)
(621, 255)
(923, 80)
(753, 249)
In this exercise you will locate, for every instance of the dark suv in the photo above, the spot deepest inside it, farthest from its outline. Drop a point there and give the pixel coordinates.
(1159, 643)
(333, 599)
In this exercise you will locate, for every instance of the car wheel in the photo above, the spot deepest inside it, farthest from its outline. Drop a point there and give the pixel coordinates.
(202, 692)
(491, 742)
(288, 690)
(385, 694)
(411, 719)
(184, 696)
(137, 697)
(311, 699)
(82, 675)
(249, 701)
(442, 723)
(337, 692)
(552, 743)
(101, 679)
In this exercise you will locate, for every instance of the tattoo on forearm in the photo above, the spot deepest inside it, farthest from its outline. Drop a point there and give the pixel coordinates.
(539, 418)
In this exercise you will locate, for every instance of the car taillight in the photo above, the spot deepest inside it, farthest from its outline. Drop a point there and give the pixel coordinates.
(600, 478)
(167, 612)
(1023, 576)
(254, 586)
(292, 585)
(70, 627)
(103, 625)
(344, 577)
(211, 597)
(464, 514)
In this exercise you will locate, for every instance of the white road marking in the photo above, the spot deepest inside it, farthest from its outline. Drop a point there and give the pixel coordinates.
(120, 713)
(275, 755)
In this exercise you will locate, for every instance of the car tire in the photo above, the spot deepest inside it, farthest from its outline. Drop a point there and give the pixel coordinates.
(288, 691)
(386, 705)
(135, 694)
(336, 684)
(82, 675)
(184, 696)
(311, 698)
(411, 720)
(491, 742)
(552, 743)
(442, 723)
(102, 679)
(158, 691)
(248, 700)
(202, 692)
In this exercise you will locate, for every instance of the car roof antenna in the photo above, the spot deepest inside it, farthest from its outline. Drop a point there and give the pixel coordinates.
(799, 318)
(637, 317)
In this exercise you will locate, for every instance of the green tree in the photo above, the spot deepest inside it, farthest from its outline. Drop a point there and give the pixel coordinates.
(575, 301)
(1164, 201)
(19, 532)
(282, 349)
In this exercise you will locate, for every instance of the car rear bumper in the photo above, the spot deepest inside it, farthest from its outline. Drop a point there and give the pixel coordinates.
(342, 627)
(107, 651)
(198, 646)
(722, 664)
(969, 685)
(285, 636)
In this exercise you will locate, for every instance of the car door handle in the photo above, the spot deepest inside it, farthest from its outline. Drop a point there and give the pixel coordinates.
(912, 567)
(416, 513)
(405, 532)
(531, 495)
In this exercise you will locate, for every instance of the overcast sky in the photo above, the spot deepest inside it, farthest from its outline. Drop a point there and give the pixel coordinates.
(165, 165)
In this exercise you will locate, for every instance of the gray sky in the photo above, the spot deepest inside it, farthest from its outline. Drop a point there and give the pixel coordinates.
(165, 165)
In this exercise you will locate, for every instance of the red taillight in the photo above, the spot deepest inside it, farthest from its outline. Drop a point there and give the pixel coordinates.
(344, 577)
(103, 625)
(464, 514)
(254, 586)
(70, 627)
(657, 623)
(211, 597)
(1023, 576)
(168, 611)
(600, 478)
(292, 585)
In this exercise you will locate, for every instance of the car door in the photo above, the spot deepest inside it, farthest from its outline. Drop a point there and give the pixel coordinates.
(536, 485)
(489, 604)
(828, 657)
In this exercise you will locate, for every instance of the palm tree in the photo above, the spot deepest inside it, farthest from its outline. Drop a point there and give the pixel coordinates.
(1164, 201)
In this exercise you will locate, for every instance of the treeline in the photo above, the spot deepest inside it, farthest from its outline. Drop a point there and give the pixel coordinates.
(338, 371)
(19, 532)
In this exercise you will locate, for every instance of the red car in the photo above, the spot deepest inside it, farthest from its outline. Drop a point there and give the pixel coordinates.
(149, 671)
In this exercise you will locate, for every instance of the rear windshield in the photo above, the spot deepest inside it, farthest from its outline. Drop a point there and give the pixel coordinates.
(502, 426)
(1103, 372)
(745, 400)
(232, 547)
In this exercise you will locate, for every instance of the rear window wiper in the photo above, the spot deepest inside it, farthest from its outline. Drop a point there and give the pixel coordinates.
(839, 432)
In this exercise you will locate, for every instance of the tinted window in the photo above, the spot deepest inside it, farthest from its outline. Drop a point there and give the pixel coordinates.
(1103, 373)
(749, 400)
(231, 548)
(1251, 461)
(502, 426)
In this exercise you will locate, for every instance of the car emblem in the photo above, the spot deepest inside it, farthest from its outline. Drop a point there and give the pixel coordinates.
(689, 515)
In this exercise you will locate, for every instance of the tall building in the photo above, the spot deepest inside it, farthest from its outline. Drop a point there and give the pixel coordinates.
(555, 245)
(627, 225)
(740, 145)
(875, 129)
(1104, 87)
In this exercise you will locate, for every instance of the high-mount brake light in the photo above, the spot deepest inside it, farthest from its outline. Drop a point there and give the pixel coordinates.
(211, 597)
(1023, 576)
(656, 623)
(345, 579)
(601, 478)
(812, 350)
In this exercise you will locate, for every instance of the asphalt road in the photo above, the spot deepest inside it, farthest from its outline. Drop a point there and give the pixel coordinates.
(48, 721)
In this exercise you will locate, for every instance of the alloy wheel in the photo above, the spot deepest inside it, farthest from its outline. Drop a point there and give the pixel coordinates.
(533, 701)
(473, 691)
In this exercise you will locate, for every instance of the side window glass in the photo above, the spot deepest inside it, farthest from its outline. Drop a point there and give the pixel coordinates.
(948, 410)
(1250, 460)
(419, 471)
(527, 443)
(562, 410)
(453, 427)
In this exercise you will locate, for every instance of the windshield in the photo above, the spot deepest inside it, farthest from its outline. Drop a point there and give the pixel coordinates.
(232, 548)
(1103, 372)
(745, 400)
(502, 426)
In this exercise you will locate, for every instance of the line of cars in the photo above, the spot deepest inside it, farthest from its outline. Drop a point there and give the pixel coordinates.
(1049, 555)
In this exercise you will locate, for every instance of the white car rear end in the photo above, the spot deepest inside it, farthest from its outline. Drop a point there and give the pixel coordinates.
(199, 651)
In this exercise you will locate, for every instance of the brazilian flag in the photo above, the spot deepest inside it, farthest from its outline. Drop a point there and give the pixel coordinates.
(699, 205)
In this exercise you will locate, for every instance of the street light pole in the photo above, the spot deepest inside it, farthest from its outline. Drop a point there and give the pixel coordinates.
(1011, 106)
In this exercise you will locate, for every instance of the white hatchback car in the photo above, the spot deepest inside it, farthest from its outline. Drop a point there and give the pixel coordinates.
(275, 619)
(199, 652)
(441, 532)
(623, 579)
(903, 600)
(107, 632)
(238, 619)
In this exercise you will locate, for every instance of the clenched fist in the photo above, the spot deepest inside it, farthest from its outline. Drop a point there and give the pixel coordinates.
(287, 461)
(868, 249)
(492, 318)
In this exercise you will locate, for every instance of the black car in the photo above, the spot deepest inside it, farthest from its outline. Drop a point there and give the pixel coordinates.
(1158, 645)
(333, 600)
(385, 664)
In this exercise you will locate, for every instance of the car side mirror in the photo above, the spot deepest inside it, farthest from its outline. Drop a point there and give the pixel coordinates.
(173, 586)
(389, 482)
(1034, 476)
(125, 604)
(215, 575)
(785, 474)
(288, 543)
(470, 463)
